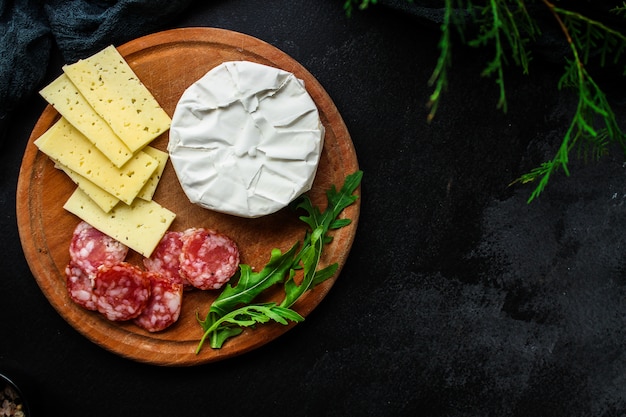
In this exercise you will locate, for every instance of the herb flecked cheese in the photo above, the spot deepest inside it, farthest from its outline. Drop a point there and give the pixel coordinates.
(161, 157)
(139, 226)
(63, 95)
(105, 200)
(115, 92)
(68, 147)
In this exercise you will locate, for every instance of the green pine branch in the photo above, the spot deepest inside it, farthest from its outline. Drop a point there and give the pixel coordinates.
(349, 5)
(594, 125)
(509, 28)
(439, 78)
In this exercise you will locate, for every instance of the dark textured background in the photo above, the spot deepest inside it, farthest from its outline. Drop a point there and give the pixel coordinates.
(458, 298)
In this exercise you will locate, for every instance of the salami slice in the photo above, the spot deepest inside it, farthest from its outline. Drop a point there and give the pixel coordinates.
(164, 306)
(122, 291)
(90, 249)
(208, 258)
(165, 258)
(80, 286)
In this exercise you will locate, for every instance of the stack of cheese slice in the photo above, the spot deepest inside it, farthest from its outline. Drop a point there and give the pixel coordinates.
(108, 118)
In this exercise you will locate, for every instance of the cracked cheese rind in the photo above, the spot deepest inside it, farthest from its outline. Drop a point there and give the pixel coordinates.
(245, 139)
(115, 92)
(139, 226)
(63, 95)
(67, 146)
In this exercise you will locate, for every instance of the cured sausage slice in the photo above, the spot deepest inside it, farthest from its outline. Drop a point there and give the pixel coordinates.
(165, 258)
(208, 258)
(80, 286)
(164, 306)
(122, 291)
(90, 249)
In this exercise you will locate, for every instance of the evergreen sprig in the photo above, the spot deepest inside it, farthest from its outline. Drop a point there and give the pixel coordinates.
(594, 124)
(439, 78)
(348, 6)
(509, 27)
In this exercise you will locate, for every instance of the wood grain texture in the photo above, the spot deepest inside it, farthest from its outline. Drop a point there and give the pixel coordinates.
(167, 63)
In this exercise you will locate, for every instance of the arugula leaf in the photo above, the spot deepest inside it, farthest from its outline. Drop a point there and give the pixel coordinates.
(310, 259)
(251, 284)
(323, 274)
(221, 329)
(337, 201)
(320, 223)
(233, 309)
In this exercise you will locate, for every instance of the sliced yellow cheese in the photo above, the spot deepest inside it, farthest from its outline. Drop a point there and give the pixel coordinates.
(139, 226)
(63, 95)
(67, 146)
(101, 198)
(116, 93)
(161, 157)
(105, 200)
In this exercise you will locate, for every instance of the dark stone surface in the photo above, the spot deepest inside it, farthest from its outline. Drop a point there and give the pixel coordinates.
(458, 298)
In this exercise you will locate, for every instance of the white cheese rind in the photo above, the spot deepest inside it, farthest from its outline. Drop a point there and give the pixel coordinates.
(115, 92)
(245, 139)
(139, 226)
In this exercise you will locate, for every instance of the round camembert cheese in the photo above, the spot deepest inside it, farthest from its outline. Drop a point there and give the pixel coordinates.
(245, 139)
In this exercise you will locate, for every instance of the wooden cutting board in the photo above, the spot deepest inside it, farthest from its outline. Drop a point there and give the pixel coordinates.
(167, 63)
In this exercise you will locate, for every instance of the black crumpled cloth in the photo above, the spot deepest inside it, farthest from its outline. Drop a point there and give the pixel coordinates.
(29, 29)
